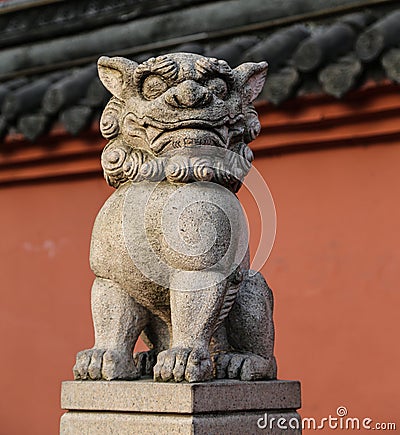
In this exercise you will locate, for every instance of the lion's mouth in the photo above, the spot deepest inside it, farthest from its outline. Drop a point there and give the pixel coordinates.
(188, 137)
(166, 136)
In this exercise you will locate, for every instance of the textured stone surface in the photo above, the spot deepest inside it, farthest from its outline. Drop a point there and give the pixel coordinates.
(170, 247)
(190, 398)
(77, 423)
(146, 407)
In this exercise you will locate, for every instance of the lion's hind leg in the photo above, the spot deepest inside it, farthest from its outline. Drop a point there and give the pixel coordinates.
(118, 321)
(250, 332)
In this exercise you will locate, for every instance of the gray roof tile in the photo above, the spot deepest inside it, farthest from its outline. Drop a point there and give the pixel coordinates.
(331, 56)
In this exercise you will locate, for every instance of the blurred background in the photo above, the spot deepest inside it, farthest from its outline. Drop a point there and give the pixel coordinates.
(329, 151)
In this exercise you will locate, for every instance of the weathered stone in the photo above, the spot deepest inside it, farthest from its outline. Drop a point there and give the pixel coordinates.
(144, 395)
(244, 423)
(145, 407)
(170, 247)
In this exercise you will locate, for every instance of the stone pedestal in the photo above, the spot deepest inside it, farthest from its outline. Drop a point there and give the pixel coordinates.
(143, 407)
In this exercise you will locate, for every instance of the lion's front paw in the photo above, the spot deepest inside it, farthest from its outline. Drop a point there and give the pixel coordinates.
(178, 364)
(105, 364)
(244, 366)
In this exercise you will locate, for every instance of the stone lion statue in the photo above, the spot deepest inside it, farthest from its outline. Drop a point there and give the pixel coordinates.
(169, 247)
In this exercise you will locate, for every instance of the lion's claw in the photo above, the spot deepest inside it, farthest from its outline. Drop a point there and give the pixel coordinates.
(244, 366)
(105, 364)
(179, 364)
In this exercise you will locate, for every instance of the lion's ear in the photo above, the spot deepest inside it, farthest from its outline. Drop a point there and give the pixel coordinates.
(116, 74)
(252, 77)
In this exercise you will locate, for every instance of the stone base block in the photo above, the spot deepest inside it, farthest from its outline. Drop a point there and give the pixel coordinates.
(219, 407)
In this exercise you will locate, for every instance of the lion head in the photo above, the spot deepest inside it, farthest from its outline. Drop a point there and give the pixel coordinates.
(181, 117)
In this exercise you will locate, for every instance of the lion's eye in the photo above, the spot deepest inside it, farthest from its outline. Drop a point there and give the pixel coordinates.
(153, 86)
(218, 87)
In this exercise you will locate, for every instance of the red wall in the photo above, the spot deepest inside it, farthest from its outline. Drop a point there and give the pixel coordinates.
(333, 269)
(45, 309)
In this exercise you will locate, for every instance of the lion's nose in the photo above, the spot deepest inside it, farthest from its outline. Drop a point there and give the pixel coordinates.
(188, 94)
